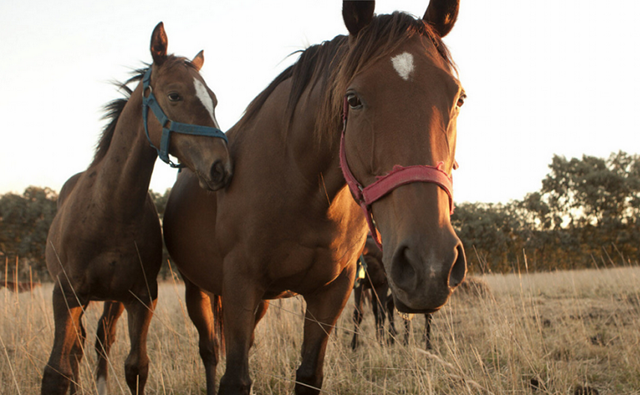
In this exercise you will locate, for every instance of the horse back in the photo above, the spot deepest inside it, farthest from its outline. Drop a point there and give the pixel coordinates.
(68, 187)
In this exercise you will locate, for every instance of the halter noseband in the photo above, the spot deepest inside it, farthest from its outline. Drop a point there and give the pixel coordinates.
(151, 102)
(398, 176)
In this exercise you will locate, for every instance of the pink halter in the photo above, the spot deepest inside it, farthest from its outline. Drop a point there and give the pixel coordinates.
(398, 176)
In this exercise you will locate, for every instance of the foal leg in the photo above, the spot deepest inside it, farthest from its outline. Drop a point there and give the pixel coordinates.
(61, 372)
(427, 329)
(392, 324)
(201, 314)
(77, 352)
(104, 339)
(357, 315)
(407, 329)
(379, 309)
(323, 309)
(136, 367)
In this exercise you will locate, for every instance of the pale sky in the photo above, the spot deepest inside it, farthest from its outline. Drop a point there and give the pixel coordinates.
(543, 77)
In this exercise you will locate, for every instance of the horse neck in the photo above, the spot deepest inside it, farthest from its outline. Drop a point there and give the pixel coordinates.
(124, 174)
(302, 160)
(316, 157)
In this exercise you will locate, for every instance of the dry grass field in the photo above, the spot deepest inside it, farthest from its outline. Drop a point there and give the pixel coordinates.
(550, 333)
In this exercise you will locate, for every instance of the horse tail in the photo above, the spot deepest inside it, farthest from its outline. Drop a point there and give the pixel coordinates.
(218, 322)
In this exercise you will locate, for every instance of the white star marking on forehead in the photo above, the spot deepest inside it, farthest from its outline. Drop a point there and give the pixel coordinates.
(205, 98)
(403, 64)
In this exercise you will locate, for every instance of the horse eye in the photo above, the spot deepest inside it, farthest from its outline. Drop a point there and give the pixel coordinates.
(353, 100)
(174, 97)
(461, 100)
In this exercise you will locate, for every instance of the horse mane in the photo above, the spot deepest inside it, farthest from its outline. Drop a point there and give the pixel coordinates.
(114, 108)
(314, 65)
(334, 63)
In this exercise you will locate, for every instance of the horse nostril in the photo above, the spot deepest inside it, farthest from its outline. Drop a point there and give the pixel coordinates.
(218, 172)
(403, 273)
(459, 268)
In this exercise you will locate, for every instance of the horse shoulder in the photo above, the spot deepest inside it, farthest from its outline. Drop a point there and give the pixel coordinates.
(189, 229)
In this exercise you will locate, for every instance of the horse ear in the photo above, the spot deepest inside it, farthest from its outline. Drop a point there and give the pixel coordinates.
(198, 61)
(442, 15)
(159, 44)
(357, 14)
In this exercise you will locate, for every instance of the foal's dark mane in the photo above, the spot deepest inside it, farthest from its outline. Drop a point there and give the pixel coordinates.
(114, 108)
(334, 63)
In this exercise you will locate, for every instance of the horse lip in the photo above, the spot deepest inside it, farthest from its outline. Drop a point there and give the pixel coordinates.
(208, 184)
(213, 186)
(403, 308)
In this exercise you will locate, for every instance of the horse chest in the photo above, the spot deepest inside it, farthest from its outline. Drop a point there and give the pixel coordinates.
(318, 251)
(302, 269)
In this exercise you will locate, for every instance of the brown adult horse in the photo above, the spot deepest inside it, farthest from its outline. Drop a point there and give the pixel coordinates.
(288, 221)
(105, 242)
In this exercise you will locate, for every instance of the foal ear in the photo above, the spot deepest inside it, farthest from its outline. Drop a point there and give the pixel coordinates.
(442, 15)
(357, 14)
(159, 44)
(198, 61)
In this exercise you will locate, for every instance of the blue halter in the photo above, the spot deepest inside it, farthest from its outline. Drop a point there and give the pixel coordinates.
(177, 127)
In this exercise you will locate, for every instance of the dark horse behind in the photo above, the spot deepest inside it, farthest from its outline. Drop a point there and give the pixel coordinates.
(376, 109)
(374, 283)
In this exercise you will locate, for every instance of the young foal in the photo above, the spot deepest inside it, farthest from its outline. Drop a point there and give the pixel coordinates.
(289, 222)
(105, 242)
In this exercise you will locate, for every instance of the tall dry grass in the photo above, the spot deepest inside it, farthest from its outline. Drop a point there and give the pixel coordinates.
(551, 331)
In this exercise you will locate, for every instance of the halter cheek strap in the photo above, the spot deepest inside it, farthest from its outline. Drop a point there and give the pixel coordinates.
(168, 126)
(398, 176)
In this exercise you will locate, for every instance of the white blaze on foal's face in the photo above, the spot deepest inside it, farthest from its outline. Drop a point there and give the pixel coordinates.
(403, 64)
(203, 94)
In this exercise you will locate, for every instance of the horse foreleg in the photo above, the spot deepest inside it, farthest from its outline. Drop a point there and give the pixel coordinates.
(323, 309)
(77, 352)
(357, 315)
(106, 336)
(218, 322)
(61, 372)
(201, 313)
(407, 329)
(242, 305)
(427, 329)
(392, 324)
(261, 310)
(136, 367)
(379, 308)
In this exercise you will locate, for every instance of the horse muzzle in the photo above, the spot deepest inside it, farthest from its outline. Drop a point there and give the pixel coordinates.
(218, 176)
(423, 276)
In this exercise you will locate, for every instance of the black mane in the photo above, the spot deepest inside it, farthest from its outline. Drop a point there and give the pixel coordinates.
(113, 110)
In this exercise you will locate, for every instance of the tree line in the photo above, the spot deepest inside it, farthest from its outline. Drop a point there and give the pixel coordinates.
(587, 214)
(24, 224)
